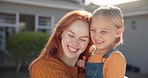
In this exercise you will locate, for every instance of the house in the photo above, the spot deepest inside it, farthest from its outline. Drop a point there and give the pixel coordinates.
(32, 15)
(42, 15)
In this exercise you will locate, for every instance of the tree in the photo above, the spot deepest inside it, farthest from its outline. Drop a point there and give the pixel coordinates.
(25, 46)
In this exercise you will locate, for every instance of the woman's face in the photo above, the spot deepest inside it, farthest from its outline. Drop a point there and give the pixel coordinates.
(75, 39)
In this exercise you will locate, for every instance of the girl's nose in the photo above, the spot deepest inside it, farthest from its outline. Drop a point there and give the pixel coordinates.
(97, 35)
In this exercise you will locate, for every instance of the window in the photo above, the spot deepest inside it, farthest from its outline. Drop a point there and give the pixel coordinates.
(44, 24)
(26, 22)
(45, 30)
(44, 21)
(6, 18)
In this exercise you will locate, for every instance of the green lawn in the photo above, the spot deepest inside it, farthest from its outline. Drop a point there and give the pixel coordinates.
(14, 74)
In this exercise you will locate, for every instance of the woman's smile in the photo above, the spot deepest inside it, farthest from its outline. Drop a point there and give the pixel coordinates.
(72, 49)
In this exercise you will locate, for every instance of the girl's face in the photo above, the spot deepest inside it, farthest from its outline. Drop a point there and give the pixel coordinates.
(103, 32)
(75, 39)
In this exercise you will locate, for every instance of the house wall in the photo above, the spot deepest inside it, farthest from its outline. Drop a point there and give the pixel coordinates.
(33, 10)
(135, 47)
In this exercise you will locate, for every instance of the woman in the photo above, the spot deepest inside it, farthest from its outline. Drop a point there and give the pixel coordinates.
(69, 39)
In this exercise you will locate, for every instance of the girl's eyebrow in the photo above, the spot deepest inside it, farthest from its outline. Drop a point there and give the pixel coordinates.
(81, 36)
(92, 27)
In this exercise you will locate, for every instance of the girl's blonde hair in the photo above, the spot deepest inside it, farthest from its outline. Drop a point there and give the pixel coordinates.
(116, 16)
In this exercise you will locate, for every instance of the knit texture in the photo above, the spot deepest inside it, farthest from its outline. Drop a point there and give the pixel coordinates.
(53, 68)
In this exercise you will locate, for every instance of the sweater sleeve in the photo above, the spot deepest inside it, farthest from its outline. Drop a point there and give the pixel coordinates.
(115, 66)
(81, 73)
(41, 70)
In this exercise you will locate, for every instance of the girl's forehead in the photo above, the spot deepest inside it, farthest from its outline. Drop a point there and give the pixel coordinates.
(100, 19)
(100, 16)
(103, 22)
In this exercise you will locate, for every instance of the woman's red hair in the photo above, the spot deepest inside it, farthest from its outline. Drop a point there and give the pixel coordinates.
(53, 46)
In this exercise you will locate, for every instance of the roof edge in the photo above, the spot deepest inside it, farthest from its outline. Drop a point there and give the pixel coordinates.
(52, 5)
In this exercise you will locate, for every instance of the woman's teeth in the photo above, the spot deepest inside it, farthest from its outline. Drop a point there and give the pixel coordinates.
(72, 49)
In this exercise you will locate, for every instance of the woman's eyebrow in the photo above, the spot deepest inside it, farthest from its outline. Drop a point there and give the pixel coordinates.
(81, 36)
(71, 31)
(84, 36)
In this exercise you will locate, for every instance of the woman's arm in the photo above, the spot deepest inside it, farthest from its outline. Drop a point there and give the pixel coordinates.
(44, 70)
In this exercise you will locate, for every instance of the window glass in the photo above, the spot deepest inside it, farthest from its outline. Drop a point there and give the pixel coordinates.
(44, 21)
(45, 30)
(7, 18)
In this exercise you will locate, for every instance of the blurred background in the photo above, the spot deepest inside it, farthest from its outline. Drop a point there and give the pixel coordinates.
(25, 26)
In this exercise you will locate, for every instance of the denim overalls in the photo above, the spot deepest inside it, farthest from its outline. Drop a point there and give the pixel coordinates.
(94, 70)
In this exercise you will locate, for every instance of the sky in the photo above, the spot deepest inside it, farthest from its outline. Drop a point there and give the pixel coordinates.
(108, 2)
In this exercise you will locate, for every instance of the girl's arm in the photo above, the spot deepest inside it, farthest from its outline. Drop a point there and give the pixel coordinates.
(115, 66)
(81, 63)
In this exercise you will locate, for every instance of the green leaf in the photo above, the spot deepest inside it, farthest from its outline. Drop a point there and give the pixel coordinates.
(25, 46)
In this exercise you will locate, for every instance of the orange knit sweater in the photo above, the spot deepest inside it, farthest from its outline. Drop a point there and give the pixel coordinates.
(53, 68)
(114, 65)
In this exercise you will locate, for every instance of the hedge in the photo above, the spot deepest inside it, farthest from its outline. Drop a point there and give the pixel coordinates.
(25, 46)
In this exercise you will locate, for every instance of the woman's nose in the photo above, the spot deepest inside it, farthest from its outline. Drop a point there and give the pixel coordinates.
(75, 42)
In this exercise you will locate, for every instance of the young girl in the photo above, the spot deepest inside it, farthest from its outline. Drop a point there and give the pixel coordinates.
(107, 27)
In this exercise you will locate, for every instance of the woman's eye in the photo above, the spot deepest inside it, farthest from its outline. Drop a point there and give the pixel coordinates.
(82, 40)
(70, 35)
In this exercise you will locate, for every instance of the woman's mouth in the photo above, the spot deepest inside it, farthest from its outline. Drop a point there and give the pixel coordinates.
(72, 49)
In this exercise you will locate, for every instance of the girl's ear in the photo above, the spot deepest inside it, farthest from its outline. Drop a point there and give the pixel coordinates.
(120, 31)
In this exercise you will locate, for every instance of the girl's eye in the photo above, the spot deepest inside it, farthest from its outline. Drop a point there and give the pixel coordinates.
(103, 32)
(92, 30)
(70, 35)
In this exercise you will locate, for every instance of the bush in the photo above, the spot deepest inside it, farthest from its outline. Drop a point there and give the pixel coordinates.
(25, 46)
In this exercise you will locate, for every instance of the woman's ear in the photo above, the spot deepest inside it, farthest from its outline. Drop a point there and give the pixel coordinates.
(120, 31)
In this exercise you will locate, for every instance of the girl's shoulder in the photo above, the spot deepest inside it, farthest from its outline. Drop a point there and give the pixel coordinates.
(117, 53)
(117, 56)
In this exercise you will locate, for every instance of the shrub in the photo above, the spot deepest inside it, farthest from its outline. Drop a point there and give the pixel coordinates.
(25, 46)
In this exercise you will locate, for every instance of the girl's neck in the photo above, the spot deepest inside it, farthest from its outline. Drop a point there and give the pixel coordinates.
(102, 51)
(69, 61)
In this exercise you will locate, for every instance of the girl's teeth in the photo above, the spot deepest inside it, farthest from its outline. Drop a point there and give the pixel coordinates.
(98, 42)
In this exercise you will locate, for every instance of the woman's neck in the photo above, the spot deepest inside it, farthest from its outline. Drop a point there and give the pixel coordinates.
(69, 61)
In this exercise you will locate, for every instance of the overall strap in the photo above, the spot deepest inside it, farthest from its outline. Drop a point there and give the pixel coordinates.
(109, 52)
(104, 58)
